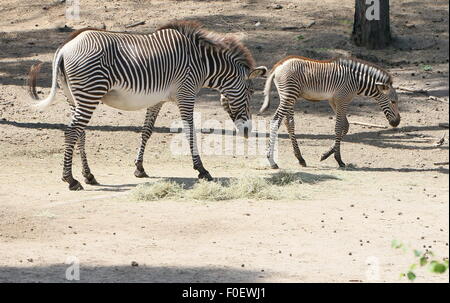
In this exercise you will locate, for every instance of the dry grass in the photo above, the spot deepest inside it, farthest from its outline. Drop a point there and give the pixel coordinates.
(278, 186)
(212, 191)
(165, 189)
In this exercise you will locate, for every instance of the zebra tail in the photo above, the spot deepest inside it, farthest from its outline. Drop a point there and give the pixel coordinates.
(32, 79)
(267, 88)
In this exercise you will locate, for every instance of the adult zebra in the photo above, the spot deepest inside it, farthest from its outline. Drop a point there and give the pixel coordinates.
(132, 72)
(338, 80)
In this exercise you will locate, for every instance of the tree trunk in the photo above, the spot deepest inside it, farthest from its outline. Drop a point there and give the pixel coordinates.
(371, 27)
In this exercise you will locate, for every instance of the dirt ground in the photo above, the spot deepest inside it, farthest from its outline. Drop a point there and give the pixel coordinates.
(340, 231)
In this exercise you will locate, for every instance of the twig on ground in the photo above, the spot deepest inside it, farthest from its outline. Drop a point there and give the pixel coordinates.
(443, 125)
(421, 91)
(135, 24)
(416, 91)
(434, 98)
(440, 141)
(368, 124)
(440, 163)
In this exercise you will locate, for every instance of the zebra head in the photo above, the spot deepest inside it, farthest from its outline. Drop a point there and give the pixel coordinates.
(388, 101)
(236, 97)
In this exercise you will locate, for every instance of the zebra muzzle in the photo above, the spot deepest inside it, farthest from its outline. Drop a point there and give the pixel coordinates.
(395, 122)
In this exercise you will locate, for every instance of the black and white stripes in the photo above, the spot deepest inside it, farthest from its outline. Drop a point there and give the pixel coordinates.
(132, 72)
(338, 81)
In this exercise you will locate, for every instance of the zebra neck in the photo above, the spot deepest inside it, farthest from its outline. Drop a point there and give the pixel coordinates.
(218, 68)
(366, 75)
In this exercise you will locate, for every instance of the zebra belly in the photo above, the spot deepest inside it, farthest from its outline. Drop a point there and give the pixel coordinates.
(129, 101)
(317, 95)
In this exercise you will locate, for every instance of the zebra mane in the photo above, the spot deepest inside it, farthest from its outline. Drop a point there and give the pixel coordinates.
(376, 71)
(195, 31)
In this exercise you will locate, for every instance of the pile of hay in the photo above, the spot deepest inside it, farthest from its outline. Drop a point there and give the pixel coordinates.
(278, 186)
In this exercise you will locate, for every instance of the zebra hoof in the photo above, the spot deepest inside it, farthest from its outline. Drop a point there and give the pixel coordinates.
(140, 174)
(326, 155)
(205, 176)
(274, 166)
(341, 164)
(75, 185)
(90, 179)
(302, 162)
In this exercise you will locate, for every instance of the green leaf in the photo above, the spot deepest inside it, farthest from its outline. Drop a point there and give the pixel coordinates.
(299, 37)
(411, 276)
(438, 268)
(396, 244)
(423, 261)
(417, 253)
(427, 68)
(412, 267)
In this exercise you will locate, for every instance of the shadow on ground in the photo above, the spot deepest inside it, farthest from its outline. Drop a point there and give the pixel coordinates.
(392, 138)
(141, 273)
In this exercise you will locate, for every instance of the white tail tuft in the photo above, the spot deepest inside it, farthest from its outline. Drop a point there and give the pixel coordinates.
(43, 104)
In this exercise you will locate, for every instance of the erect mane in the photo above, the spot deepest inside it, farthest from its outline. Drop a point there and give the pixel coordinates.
(195, 31)
(383, 73)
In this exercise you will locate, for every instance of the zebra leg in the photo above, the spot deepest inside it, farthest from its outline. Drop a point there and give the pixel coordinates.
(345, 126)
(81, 115)
(71, 134)
(345, 121)
(274, 126)
(290, 125)
(187, 116)
(88, 176)
(341, 129)
(147, 130)
(331, 150)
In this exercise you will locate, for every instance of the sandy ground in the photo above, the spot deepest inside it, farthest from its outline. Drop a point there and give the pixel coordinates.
(340, 231)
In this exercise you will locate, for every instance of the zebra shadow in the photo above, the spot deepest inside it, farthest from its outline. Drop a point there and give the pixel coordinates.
(439, 169)
(406, 137)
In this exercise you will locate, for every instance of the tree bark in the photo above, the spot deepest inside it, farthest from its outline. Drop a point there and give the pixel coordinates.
(368, 31)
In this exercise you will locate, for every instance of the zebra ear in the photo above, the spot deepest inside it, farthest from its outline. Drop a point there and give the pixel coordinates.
(259, 71)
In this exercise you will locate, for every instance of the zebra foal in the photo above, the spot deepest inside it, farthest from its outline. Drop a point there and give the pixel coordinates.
(337, 80)
(134, 71)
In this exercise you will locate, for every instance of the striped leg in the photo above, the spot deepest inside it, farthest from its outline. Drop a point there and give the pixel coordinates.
(345, 123)
(186, 106)
(71, 135)
(341, 128)
(290, 125)
(274, 126)
(88, 176)
(82, 113)
(150, 118)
